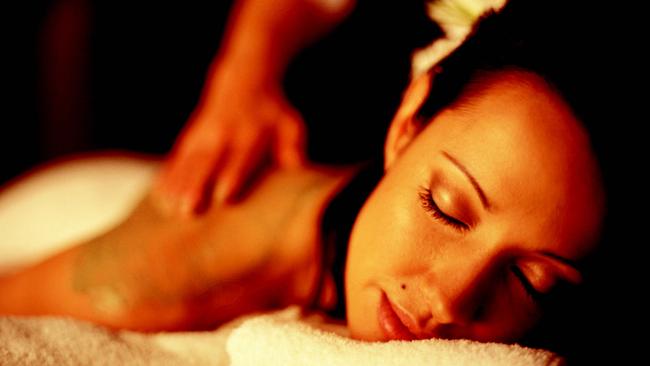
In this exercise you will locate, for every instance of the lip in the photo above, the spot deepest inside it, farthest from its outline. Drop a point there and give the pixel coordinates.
(390, 323)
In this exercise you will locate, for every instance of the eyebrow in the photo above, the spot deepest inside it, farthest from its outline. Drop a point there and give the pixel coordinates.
(481, 195)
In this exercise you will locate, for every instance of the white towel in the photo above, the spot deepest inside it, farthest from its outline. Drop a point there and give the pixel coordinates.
(50, 341)
(285, 338)
(279, 338)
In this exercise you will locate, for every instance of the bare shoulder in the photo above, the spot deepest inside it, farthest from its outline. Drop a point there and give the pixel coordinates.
(259, 253)
(287, 207)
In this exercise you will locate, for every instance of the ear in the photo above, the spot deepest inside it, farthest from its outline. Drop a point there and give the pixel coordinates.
(404, 128)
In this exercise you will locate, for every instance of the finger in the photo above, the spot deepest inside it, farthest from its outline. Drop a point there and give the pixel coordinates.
(290, 144)
(243, 160)
(182, 184)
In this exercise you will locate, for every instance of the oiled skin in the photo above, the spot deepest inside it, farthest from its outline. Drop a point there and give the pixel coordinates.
(160, 272)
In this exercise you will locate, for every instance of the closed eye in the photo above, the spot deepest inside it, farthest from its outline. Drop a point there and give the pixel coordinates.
(430, 206)
(535, 295)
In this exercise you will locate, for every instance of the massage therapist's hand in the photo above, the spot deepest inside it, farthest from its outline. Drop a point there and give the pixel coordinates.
(242, 122)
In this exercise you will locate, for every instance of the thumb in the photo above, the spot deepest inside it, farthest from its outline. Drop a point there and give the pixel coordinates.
(290, 144)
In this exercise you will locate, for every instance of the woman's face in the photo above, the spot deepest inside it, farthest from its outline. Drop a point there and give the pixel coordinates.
(480, 214)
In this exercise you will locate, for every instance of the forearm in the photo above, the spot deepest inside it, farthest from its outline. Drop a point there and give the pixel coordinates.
(32, 290)
(92, 286)
(265, 35)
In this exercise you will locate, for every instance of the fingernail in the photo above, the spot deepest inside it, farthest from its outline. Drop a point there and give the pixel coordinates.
(222, 193)
(185, 207)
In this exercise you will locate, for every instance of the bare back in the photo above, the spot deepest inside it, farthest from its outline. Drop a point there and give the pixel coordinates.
(260, 253)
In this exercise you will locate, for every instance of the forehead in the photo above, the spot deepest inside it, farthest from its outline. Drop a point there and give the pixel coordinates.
(529, 153)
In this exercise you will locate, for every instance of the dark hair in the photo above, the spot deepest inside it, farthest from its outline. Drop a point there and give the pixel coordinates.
(564, 44)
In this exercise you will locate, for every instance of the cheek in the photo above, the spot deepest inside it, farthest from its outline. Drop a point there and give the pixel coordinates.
(384, 246)
(387, 232)
(506, 315)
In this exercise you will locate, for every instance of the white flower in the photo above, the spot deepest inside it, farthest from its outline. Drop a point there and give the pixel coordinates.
(456, 18)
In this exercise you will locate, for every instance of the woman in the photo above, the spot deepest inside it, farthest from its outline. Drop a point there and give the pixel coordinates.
(492, 195)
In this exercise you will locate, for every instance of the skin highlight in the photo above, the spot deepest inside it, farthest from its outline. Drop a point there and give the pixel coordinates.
(480, 211)
(517, 198)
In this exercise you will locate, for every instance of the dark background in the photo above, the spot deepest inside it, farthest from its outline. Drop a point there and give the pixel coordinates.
(90, 75)
(83, 75)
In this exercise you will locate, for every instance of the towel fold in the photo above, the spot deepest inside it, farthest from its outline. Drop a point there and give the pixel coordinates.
(286, 338)
(50, 341)
(280, 338)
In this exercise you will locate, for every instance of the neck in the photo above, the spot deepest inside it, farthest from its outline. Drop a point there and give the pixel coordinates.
(312, 190)
(276, 229)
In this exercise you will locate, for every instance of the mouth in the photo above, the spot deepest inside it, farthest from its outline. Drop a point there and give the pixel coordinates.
(390, 323)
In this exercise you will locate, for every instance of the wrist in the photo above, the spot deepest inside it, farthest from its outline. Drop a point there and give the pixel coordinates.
(250, 66)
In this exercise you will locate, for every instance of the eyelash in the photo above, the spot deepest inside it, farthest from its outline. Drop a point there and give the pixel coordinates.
(430, 206)
(535, 295)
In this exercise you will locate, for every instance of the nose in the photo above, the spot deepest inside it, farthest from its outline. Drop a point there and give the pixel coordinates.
(455, 294)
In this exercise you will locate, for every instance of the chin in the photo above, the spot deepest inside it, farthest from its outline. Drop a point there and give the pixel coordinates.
(365, 335)
(363, 324)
